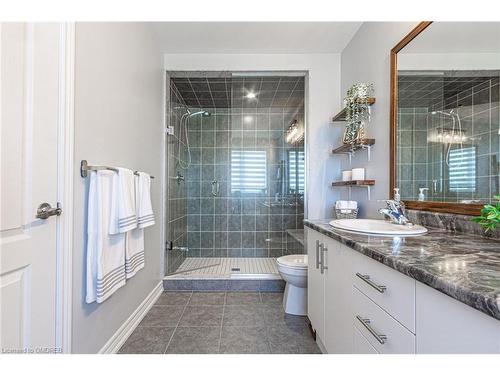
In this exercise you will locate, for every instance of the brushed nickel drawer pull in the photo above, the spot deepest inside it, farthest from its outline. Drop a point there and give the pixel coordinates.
(366, 323)
(366, 279)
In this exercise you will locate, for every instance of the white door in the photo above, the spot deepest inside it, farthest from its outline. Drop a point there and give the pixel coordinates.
(29, 134)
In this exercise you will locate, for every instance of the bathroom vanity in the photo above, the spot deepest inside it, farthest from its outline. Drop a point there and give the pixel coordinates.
(437, 293)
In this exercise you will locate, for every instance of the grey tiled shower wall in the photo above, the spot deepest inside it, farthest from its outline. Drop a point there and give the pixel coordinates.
(237, 224)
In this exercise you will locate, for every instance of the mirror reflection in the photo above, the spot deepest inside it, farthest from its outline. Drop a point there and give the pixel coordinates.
(448, 124)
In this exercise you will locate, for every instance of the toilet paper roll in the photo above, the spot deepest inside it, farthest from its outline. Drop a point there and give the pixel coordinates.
(346, 175)
(358, 174)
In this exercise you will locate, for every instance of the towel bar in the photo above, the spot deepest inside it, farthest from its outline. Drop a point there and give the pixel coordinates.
(85, 167)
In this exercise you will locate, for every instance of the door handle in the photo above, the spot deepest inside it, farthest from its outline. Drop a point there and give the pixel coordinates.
(45, 210)
(317, 254)
(323, 251)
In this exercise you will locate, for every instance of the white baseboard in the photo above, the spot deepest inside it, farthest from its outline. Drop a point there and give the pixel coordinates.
(122, 334)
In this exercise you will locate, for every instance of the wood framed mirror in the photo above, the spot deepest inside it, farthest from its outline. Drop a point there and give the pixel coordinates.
(445, 127)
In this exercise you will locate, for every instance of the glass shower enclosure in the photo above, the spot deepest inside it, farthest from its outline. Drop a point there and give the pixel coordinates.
(235, 172)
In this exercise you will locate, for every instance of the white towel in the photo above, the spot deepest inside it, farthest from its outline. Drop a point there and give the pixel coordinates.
(145, 215)
(105, 252)
(134, 240)
(346, 206)
(123, 211)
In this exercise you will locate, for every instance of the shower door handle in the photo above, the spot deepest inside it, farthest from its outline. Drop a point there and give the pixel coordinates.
(215, 188)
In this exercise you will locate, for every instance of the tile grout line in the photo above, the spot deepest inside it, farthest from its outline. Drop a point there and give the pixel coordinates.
(222, 321)
(178, 322)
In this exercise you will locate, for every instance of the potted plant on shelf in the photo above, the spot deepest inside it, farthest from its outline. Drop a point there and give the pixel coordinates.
(357, 112)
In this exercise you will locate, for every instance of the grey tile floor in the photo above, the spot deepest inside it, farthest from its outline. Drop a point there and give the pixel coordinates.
(220, 322)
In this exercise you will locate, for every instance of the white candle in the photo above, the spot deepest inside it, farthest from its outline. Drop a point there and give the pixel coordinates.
(358, 174)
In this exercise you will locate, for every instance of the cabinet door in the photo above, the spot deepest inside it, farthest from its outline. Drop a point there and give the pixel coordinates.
(338, 323)
(447, 326)
(315, 284)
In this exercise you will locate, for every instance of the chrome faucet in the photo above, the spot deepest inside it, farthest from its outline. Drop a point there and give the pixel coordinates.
(395, 211)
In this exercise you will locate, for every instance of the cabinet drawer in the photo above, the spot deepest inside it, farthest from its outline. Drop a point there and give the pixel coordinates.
(390, 289)
(382, 331)
(361, 344)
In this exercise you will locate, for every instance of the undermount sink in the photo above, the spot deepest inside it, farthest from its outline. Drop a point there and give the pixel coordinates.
(379, 227)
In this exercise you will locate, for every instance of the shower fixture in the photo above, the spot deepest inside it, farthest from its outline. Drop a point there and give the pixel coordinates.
(184, 120)
(449, 135)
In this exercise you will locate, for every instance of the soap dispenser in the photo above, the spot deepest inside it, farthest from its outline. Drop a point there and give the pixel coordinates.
(421, 194)
(397, 196)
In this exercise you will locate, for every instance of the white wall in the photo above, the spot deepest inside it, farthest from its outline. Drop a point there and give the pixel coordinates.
(367, 59)
(118, 121)
(324, 99)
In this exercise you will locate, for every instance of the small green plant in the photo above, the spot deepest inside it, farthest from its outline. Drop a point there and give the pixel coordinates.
(490, 216)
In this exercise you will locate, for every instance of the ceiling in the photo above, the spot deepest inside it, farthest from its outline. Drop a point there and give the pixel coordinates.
(255, 37)
(270, 91)
(457, 37)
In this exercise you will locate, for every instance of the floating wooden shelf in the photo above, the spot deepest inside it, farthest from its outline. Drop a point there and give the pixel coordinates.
(341, 115)
(354, 183)
(347, 149)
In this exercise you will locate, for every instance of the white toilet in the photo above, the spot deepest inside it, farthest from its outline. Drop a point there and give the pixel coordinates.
(293, 269)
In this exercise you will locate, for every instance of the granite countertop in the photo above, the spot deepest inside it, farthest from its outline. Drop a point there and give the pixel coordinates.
(465, 267)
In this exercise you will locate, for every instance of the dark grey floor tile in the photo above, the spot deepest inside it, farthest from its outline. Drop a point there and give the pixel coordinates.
(243, 315)
(173, 298)
(147, 340)
(270, 298)
(195, 340)
(275, 315)
(162, 316)
(201, 316)
(244, 340)
(243, 298)
(292, 339)
(207, 298)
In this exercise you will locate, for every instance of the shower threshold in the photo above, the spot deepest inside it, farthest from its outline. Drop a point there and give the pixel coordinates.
(227, 268)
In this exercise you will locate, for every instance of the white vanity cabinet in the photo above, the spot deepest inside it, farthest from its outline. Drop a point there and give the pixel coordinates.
(329, 294)
(359, 305)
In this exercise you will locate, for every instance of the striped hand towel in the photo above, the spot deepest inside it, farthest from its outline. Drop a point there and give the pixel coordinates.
(105, 252)
(134, 240)
(123, 209)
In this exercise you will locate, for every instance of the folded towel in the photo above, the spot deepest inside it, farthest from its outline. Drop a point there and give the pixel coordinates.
(105, 252)
(123, 211)
(346, 206)
(134, 239)
(145, 216)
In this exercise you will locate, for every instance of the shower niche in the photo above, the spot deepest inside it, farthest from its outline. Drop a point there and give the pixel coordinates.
(236, 172)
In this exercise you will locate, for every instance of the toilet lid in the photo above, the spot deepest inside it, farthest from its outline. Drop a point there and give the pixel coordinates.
(293, 261)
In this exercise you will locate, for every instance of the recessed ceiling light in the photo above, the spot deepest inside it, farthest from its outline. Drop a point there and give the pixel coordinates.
(251, 95)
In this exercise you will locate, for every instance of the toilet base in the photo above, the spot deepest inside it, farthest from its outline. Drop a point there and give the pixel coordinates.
(295, 300)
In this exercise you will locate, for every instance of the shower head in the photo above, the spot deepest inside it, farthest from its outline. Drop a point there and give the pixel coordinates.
(203, 113)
